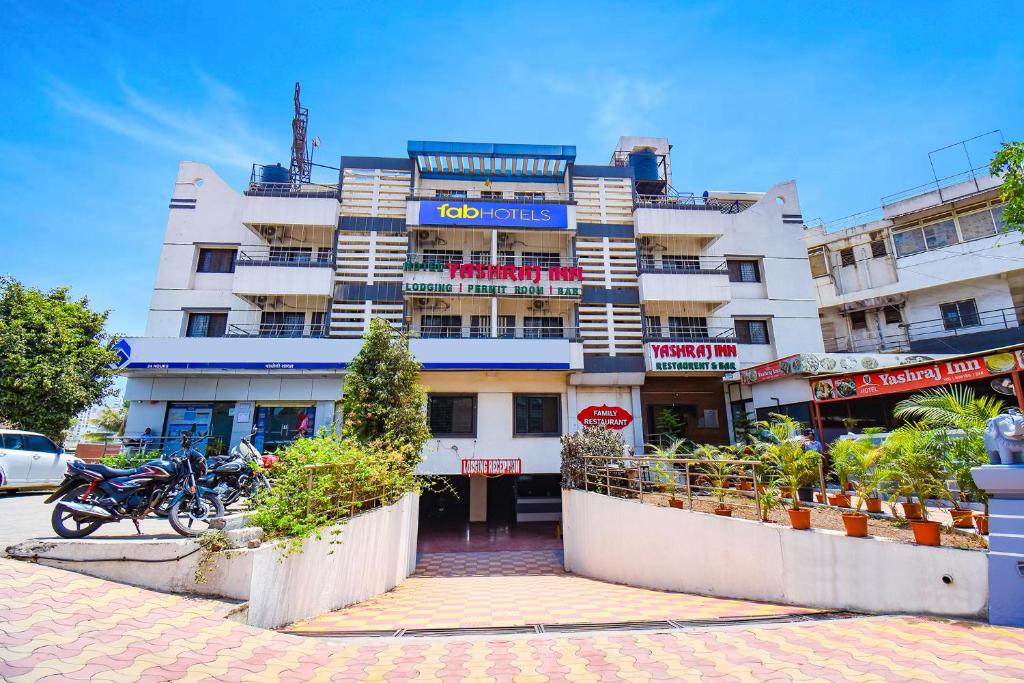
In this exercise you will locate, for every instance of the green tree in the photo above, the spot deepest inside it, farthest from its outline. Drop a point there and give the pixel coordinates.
(383, 402)
(111, 418)
(55, 357)
(1009, 164)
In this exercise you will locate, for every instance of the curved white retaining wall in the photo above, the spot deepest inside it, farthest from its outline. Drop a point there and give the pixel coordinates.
(624, 541)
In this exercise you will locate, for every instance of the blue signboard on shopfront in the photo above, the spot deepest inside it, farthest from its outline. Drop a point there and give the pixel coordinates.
(493, 214)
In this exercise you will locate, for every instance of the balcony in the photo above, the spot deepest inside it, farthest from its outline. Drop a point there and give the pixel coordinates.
(497, 354)
(284, 271)
(275, 330)
(689, 278)
(485, 331)
(470, 273)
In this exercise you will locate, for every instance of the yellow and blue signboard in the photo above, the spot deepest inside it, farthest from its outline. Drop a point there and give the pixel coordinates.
(493, 214)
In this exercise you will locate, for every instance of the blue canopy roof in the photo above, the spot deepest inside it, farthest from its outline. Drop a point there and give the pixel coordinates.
(479, 160)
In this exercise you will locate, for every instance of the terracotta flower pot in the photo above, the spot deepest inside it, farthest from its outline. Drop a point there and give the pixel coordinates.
(926, 533)
(981, 524)
(723, 511)
(873, 504)
(761, 488)
(799, 519)
(787, 491)
(817, 497)
(962, 519)
(745, 486)
(676, 503)
(856, 524)
(839, 500)
(912, 510)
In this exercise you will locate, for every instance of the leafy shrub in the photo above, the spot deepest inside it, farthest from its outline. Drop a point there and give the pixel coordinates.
(589, 441)
(322, 480)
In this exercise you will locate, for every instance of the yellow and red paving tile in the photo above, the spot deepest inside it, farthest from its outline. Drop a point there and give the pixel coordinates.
(61, 626)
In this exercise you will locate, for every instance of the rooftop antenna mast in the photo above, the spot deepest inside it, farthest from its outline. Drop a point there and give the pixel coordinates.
(302, 159)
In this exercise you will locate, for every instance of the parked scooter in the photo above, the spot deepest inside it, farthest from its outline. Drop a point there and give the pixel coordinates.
(92, 495)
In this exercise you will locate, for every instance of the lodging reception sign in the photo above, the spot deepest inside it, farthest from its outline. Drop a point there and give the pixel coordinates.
(493, 214)
(899, 380)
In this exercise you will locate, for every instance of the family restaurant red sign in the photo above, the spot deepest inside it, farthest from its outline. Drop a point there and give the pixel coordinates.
(898, 380)
(609, 417)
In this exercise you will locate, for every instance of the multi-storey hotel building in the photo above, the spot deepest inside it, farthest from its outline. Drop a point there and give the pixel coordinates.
(538, 293)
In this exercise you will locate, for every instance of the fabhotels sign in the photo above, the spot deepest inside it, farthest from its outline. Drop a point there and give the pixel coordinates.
(494, 214)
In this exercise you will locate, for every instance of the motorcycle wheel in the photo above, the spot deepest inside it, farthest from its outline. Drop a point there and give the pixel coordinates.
(69, 525)
(190, 517)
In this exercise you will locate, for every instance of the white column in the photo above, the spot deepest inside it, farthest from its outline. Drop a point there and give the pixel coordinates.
(572, 422)
(478, 499)
(494, 317)
(638, 419)
(728, 412)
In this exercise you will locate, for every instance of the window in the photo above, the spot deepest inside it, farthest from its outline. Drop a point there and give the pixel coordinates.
(680, 263)
(206, 325)
(35, 442)
(846, 257)
(744, 271)
(291, 254)
(316, 324)
(974, 226)
(484, 256)
(282, 324)
(441, 326)
(909, 242)
(442, 256)
(752, 331)
(450, 194)
(940, 235)
(479, 326)
(859, 320)
(646, 262)
(892, 315)
(538, 415)
(960, 314)
(687, 328)
(997, 215)
(530, 196)
(878, 247)
(653, 325)
(819, 266)
(542, 327)
(216, 261)
(451, 415)
(492, 194)
(506, 326)
(542, 258)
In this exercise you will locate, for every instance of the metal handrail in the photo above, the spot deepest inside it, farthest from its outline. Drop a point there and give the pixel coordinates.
(689, 201)
(562, 261)
(698, 265)
(690, 334)
(324, 258)
(288, 330)
(479, 195)
(987, 321)
(258, 188)
(480, 332)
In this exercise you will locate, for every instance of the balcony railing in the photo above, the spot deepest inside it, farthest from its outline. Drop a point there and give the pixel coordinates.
(480, 332)
(324, 258)
(259, 188)
(984, 321)
(289, 330)
(694, 265)
(483, 195)
(698, 334)
(688, 202)
(470, 256)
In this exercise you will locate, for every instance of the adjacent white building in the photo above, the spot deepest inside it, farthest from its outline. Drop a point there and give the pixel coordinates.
(538, 293)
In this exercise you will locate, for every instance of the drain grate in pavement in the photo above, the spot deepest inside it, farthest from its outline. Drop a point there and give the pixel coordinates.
(668, 624)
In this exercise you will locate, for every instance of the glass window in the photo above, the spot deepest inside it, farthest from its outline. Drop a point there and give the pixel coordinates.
(653, 325)
(859, 320)
(819, 267)
(441, 326)
(744, 271)
(450, 194)
(35, 442)
(316, 324)
(506, 326)
(529, 196)
(216, 261)
(451, 415)
(206, 325)
(688, 328)
(442, 256)
(479, 326)
(846, 257)
(997, 214)
(960, 314)
(542, 327)
(976, 225)
(542, 258)
(647, 261)
(291, 254)
(539, 415)
(282, 324)
(14, 442)
(680, 263)
(892, 315)
(940, 235)
(491, 194)
(909, 242)
(752, 331)
(878, 248)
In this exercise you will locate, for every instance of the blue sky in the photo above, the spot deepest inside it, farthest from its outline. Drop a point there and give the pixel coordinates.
(102, 99)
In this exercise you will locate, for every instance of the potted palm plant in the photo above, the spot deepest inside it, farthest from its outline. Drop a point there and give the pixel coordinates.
(865, 472)
(915, 468)
(664, 469)
(796, 467)
(843, 453)
(718, 471)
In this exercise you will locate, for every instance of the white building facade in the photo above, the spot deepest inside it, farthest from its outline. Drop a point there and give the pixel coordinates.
(936, 274)
(538, 293)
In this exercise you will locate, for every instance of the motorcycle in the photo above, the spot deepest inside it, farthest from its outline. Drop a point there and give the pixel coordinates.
(92, 495)
(240, 474)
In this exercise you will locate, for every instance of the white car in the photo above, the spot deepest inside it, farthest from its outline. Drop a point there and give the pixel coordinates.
(30, 460)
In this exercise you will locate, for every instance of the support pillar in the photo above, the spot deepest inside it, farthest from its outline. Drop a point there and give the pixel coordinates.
(572, 408)
(638, 420)
(478, 499)
(1005, 486)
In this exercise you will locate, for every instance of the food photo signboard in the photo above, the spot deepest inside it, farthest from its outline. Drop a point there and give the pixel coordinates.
(899, 380)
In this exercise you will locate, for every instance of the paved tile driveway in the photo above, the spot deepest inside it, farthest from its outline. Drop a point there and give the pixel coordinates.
(60, 626)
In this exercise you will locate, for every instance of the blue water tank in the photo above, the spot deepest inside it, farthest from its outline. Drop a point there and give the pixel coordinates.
(644, 163)
(274, 174)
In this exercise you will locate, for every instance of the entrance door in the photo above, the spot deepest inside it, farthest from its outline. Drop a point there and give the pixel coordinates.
(501, 500)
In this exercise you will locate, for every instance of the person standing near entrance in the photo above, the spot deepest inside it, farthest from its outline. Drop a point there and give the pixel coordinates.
(811, 443)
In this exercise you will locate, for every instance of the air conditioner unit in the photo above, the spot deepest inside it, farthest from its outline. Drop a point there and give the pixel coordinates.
(421, 302)
(538, 304)
(261, 300)
(272, 232)
(505, 239)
